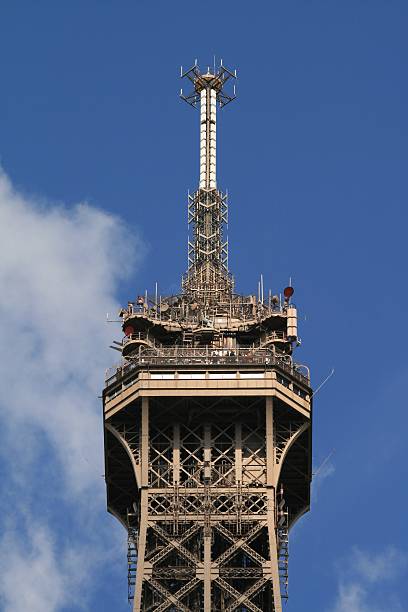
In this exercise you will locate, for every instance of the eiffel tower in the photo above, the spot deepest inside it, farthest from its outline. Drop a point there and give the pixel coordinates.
(208, 419)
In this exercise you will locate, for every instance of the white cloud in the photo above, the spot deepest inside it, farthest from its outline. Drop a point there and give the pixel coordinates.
(363, 582)
(35, 576)
(352, 598)
(59, 269)
(387, 565)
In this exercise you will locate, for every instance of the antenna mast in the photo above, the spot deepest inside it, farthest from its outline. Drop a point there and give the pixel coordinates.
(207, 277)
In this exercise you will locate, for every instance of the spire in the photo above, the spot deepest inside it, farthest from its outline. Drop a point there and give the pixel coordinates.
(207, 276)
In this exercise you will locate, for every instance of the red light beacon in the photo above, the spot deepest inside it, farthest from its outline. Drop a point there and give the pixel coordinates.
(288, 292)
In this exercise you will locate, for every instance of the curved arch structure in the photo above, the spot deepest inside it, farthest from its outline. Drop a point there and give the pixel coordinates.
(132, 458)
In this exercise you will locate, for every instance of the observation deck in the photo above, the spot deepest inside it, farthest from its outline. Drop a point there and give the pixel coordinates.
(176, 358)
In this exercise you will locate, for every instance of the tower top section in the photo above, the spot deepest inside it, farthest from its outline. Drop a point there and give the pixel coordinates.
(216, 80)
(207, 275)
(208, 319)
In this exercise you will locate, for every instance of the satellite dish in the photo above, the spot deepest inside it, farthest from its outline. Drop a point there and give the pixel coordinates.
(129, 330)
(275, 299)
(164, 307)
(288, 292)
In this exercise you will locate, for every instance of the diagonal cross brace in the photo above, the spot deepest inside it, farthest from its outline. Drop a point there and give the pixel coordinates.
(175, 544)
(244, 597)
(180, 593)
(169, 597)
(241, 543)
(239, 597)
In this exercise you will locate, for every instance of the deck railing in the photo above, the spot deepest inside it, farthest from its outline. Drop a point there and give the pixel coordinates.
(276, 335)
(138, 337)
(147, 358)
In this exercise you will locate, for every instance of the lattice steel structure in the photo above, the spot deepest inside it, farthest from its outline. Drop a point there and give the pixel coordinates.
(208, 421)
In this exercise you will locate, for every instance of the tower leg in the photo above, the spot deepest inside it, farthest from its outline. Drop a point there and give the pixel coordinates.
(144, 459)
(277, 601)
(140, 574)
(271, 514)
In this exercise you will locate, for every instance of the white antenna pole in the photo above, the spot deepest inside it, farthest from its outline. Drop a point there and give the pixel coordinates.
(262, 289)
(203, 138)
(208, 138)
(323, 383)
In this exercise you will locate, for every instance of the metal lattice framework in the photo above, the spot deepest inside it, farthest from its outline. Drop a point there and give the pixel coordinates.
(212, 533)
(208, 250)
(208, 421)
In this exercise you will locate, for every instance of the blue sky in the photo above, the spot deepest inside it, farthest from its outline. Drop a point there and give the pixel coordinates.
(97, 155)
